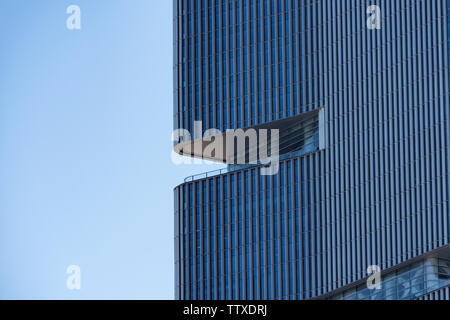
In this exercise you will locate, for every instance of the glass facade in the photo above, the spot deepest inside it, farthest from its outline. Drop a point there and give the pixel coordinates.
(408, 283)
(441, 294)
(251, 229)
(237, 62)
(377, 193)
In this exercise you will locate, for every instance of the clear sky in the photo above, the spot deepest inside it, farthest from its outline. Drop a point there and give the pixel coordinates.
(86, 176)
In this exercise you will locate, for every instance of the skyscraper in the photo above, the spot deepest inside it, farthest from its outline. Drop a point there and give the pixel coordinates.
(359, 91)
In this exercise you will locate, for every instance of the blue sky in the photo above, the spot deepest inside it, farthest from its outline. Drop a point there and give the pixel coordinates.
(86, 176)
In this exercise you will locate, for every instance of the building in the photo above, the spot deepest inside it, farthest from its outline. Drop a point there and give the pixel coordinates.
(363, 87)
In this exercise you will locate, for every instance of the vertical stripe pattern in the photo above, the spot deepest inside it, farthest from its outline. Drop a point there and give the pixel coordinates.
(376, 195)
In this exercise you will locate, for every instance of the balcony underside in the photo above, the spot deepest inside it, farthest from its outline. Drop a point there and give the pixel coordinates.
(294, 134)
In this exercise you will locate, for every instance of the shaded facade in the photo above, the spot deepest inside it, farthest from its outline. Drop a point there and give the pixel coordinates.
(375, 193)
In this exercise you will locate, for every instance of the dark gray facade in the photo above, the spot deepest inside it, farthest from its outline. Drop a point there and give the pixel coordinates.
(377, 192)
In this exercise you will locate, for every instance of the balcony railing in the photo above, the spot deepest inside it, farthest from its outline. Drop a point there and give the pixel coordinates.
(308, 148)
(206, 175)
